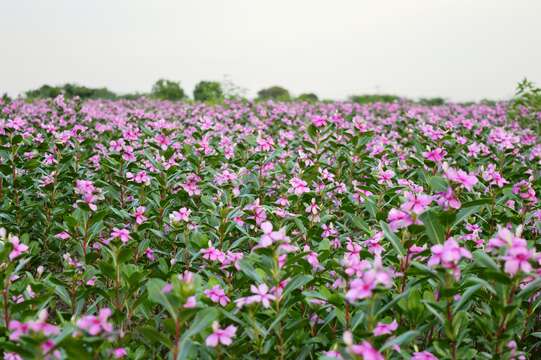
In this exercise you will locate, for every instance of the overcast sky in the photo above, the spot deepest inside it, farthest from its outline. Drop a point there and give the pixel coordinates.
(457, 49)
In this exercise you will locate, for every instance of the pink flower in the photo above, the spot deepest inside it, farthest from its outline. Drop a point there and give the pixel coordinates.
(96, 324)
(299, 186)
(119, 353)
(221, 336)
(424, 355)
(416, 203)
(366, 351)
(333, 354)
(183, 214)
(122, 234)
(262, 295)
(319, 121)
(63, 235)
(190, 303)
(269, 236)
(12, 356)
(460, 176)
(435, 155)
(312, 208)
(18, 248)
(213, 254)
(399, 219)
(385, 176)
(447, 199)
(385, 329)
(516, 259)
(166, 289)
(360, 289)
(448, 255)
(217, 295)
(139, 215)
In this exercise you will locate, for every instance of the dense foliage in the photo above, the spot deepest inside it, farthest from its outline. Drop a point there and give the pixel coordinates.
(70, 91)
(277, 93)
(167, 90)
(153, 229)
(208, 91)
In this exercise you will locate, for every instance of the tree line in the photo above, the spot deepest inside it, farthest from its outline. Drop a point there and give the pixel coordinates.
(207, 91)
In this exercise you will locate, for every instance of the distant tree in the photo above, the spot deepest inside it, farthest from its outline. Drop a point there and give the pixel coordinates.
(310, 97)
(435, 101)
(208, 91)
(45, 91)
(167, 90)
(367, 99)
(273, 93)
(70, 91)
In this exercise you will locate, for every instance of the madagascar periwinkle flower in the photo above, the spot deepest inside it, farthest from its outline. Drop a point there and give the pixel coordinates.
(122, 234)
(278, 207)
(217, 295)
(448, 255)
(385, 328)
(466, 180)
(183, 214)
(221, 336)
(423, 355)
(18, 248)
(95, 325)
(298, 186)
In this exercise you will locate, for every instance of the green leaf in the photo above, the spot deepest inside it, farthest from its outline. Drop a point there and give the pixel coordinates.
(156, 294)
(466, 297)
(433, 227)
(297, 282)
(464, 213)
(247, 268)
(203, 320)
(485, 260)
(395, 241)
(401, 339)
(438, 183)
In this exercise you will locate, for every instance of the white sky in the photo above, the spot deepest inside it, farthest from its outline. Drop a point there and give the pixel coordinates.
(458, 49)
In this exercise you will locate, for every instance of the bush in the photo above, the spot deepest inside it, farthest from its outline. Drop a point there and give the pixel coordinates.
(167, 90)
(208, 91)
(436, 101)
(276, 93)
(310, 97)
(70, 91)
(368, 99)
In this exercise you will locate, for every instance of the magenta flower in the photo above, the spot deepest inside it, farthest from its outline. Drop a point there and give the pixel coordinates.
(366, 351)
(261, 295)
(139, 215)
(221, 336)
(435, 155)
(183, 214)
(94, 325)
(424, 355)
(299, 186)
(122, 234)
(517, 259)
(399, 219)
(217, 295)
(18, 248)
(416, 203)
(119, 353)
(385, 329)
(468, 181)
(448, 255)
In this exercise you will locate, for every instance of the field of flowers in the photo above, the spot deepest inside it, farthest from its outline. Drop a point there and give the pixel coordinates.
(150, 229)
